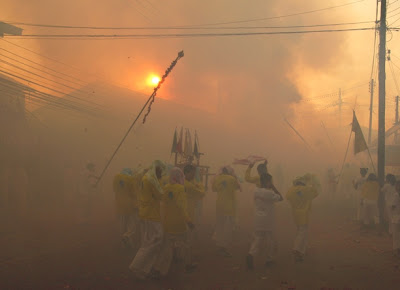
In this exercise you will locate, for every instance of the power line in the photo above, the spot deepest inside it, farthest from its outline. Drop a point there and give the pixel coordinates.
(182, 35)
(48, 84)
(35, 83)
(70, 66)
(281, 16)
(394, 78)
(38, 69)
(183, 27)
(44, 98)
(394, 10)
(31, 61)
(373, 55)
(45, 72)
(221, 23)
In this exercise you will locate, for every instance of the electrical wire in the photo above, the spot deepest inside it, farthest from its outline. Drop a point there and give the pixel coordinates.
(38, 69)
(74, 105)
(253, 19)
(182, 35)
(375, 33)
(48, 84)
(280, 16)
(394, 78)
(44, 85)
(187, 28)
(73, 67)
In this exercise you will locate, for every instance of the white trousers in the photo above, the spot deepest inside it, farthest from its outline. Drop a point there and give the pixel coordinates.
(263, 241)
(130, 228)
(224, 228)
(149, 252)
(369, 212)
(388, 215)
(301, 239)
(396, 236)
(173, 243)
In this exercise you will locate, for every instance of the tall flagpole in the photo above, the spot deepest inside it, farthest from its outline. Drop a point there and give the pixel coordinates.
(150, 100)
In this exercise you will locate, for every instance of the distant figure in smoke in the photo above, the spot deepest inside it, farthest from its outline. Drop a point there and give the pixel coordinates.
(388, 191)
(300, 197)
(225, 185)
(395, 220)
(358, 183)
(176, 222)
(151, 228)
(331, 184)
(369, 201)
(264, 221)
(126, 187)
(87, 190)
(195, 193)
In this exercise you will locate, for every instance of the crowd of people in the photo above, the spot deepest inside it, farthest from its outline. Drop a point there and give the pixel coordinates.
(159, 211)
(378, 206)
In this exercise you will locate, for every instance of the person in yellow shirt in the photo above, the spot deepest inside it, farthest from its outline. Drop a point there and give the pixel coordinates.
(151, 227)
(369, 201)
(300, 197)
(126, 189)
(176, 223)
(261, 168)
(195, 193)
(225, 185)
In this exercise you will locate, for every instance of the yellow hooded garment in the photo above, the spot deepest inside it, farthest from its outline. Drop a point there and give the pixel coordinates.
(175, 209)
(300, 198)
(194, 193)
(226, 186)
(151, 194)
(370, 190)
(125, 194)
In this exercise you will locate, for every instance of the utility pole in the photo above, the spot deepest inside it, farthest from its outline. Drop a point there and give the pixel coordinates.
(396, 120)
(340, 107)
(371, 87)
(382, 94)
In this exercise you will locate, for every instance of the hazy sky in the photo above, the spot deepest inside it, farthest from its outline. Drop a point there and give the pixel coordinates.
(248, 81)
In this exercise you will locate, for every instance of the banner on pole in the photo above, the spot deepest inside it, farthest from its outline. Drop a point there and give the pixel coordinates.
(359, 141)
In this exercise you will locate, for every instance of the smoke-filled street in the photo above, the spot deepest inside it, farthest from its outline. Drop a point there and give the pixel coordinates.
(56, 254)
(148, 144)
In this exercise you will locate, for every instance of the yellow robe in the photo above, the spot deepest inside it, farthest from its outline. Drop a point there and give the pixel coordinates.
(370, 190)
(149, 201)
(194, 193)
(176, 215)
(226, 186)
(125, 195)
(300, 198)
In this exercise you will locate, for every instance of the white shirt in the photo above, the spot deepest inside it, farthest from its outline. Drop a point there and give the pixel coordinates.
(389, 192)
(359, 181)
(264, 200)
(395, 208)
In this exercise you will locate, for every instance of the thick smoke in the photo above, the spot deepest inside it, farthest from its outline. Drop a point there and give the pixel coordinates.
(249, 84)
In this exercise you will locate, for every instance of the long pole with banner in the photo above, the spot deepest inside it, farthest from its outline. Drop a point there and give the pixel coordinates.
(150, 100)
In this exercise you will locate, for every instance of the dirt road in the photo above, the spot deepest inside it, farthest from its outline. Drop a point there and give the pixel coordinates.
(52, 251)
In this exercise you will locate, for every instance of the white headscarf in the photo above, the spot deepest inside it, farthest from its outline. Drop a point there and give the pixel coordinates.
(152, 176)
